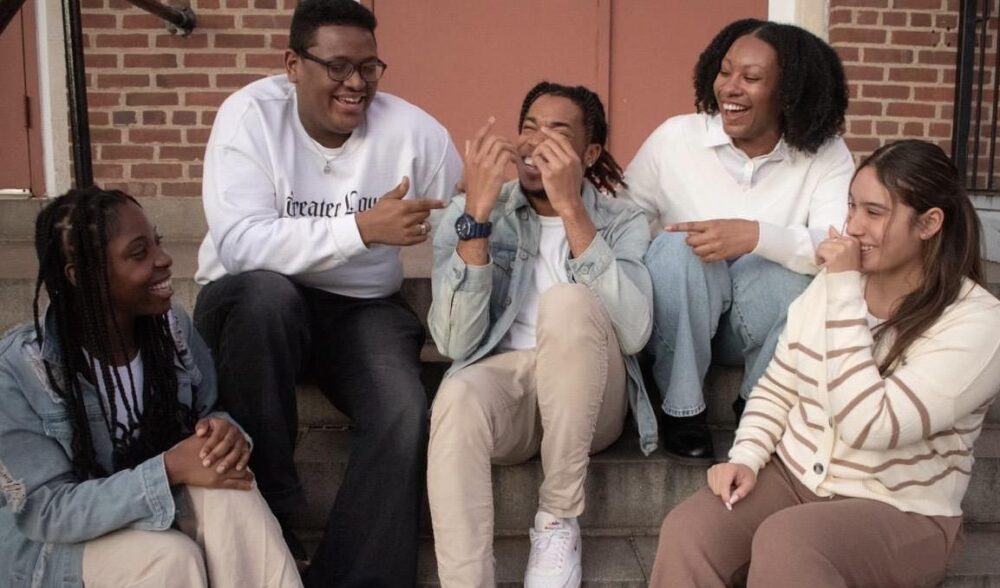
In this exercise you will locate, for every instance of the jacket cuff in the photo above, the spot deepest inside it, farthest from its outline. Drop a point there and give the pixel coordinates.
(593, 262)
(462, 276)
(843, 286)
(780, 245)
(746, 457)
(156, 489)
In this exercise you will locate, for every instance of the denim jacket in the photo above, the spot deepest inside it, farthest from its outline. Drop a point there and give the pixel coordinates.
(46, 512)
(474, 306)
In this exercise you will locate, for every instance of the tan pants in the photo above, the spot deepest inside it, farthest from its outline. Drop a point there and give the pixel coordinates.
(229, 539)
(786, 536)
(566, 398)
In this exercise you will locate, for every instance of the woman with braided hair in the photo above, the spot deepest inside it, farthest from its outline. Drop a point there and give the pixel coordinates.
(114, 466)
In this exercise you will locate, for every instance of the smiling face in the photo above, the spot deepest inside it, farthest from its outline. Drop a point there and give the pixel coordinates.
(560, 115)
(138, 267)
(888, 229)
(747, 90)
(329, 110)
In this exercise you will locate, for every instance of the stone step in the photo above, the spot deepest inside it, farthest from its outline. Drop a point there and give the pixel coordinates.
(625, 491)
(626, 560)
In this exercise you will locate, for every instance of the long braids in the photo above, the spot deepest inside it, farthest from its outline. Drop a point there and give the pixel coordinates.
(605, 173)
(75, 228)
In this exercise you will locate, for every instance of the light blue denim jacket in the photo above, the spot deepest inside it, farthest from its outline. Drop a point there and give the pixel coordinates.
(46, 512)
(474, 306)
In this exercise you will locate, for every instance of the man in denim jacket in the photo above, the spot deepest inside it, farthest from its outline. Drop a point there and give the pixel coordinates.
(541, 298)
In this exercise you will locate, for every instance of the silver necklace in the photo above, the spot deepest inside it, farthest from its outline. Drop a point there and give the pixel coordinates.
(328, 165)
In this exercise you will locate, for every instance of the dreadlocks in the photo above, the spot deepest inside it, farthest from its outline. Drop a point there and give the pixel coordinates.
(606, 174)
(75, 228)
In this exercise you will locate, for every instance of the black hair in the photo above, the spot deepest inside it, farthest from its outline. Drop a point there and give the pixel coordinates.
(75, 228)
(605, 173)
(812, 84)
(309, 15)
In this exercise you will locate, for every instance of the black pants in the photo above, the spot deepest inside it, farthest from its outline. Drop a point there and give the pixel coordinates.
(265, 332)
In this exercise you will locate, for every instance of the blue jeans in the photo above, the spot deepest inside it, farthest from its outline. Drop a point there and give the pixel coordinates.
(733, 312)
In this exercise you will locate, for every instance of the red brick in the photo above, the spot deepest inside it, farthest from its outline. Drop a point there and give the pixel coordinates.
(939, 57)
(140, 135)
(196, 40)
(881, 55)
(864, 108)
(208, 117)
(120, 5)
(917, 4)
(102, 99)
(217, 21)
(92, 4)
(914, 129)
(98, 118)
(156, 60)
(921, 19)
(197, 135)
(910, 109)
(105, 135)
(272, 61)
(124, 41)
(213, 4)
(195, 171)
(856, 73)
(946, 21)
(866, 17)
(235, 80)
(139, 189)
(123, 117)
(240, 41)
(122, 80)
(885, 91)
(839, 16)
(185, 153)
(156, 170)
(186, 189)
(98, 21)
(98, 61)
(184, 117)
(918, 38)
(940, 130)
(210, 60)
(894, 19)
(947, 112)
(279, 41)
(913, 74)
(237, 4)
(866, 3)
(848, 54)
(862, 144)
(265, 4)
(860, 127)
(144, 21)
(267, 21)
(948, 76)
(886, 127)
(120, 152)
(151, 99)
(108, 171)
(205, 98)
(154, 117)
(182, 80)
(933, 93)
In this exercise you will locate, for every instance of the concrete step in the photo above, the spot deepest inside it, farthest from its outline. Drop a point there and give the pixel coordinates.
(625, 491)
(626, 560)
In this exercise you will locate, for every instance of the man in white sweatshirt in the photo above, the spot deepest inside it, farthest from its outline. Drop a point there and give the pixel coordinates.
(313, 180)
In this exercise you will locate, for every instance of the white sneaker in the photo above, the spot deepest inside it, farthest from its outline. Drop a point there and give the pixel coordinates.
(555, 553)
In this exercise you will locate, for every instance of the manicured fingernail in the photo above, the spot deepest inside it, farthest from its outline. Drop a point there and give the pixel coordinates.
(220, 469)
(729, 505)
(206, 463)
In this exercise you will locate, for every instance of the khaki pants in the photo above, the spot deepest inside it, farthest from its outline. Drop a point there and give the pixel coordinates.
(565, 398)
(783, 535)
(228, 538)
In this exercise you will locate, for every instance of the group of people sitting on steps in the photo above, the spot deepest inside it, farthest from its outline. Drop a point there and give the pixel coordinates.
(141, 448)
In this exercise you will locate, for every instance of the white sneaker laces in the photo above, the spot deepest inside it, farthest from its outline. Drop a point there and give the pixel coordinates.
(549, 548)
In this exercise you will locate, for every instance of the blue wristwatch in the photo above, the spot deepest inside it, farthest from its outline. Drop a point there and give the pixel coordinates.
(467, 228)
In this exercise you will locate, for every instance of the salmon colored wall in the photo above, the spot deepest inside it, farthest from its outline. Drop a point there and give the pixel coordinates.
(463, 61)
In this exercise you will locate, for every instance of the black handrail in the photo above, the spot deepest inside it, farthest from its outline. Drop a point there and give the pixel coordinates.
(83, 169)
(180, 20)
(974, 132)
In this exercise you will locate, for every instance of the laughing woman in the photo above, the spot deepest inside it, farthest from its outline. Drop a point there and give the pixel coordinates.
(114, 469)
(855, 451)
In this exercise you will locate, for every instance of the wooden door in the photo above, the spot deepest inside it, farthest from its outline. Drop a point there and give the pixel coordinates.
(20, 147)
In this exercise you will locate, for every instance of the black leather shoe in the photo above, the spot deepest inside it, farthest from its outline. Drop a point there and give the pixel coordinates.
(687, 440)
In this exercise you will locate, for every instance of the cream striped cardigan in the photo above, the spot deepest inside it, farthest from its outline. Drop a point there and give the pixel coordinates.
(843, 430)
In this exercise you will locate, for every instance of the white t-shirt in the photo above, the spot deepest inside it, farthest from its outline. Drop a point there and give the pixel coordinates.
(549, 270)
(688, 170)
(271, 206)
(133, 388)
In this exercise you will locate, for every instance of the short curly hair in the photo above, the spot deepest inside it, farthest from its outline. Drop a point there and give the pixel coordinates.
(309, 15)
(813, 87)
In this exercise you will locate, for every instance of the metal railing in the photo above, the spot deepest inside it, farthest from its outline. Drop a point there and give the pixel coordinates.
(977, 96)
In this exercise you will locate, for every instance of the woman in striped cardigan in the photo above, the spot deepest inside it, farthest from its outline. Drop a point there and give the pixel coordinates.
(877, 391)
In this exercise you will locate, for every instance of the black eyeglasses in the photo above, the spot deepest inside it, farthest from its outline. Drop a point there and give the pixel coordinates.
(342, 69)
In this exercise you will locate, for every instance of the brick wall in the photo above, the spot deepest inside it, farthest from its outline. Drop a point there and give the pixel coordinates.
(899, 56)
(153, 95)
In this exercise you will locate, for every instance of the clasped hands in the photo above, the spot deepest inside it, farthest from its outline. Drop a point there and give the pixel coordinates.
(215, 456)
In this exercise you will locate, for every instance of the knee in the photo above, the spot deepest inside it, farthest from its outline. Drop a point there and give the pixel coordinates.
(174, 554)
(756, 277)
(458, 412)
(265, 297)
(668, 254)
(568, 310)
(401, 416)
(686, 530)
(783, 549)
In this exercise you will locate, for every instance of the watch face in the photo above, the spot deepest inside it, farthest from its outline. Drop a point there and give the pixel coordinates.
(463, 226)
